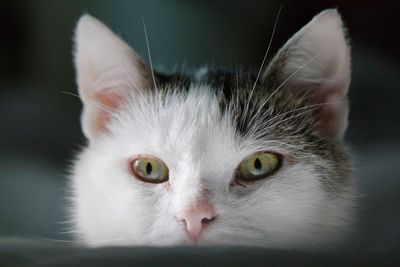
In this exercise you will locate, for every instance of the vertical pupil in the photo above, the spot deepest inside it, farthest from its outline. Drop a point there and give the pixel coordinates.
(149, 168)
(257, 164)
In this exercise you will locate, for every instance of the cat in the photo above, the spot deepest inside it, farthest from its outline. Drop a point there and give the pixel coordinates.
(214, 158)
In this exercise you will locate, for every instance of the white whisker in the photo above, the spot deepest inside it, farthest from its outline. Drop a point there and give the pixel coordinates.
(263, 61)
(103, 242)
(126, 74)
(281, 121)
(266, 53)
(149, 54)
(291, 75)
(280, 86)
(69, 93)
(306, 108)
(236, 115)
(54, 240)
(256, 128)
(103, 107)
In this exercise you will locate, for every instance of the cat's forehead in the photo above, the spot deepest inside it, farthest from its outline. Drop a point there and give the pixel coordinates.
(178, 115)
(208, 109)
(226, 82)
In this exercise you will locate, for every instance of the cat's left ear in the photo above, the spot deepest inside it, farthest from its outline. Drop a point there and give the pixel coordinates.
(107, 69)
(317, 59)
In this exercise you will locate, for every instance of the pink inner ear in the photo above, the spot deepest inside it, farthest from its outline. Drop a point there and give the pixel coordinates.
(330, 120)
(331, 116)
(105, 102)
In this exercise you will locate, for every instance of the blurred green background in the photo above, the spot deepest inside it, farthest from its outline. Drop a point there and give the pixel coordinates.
(40, 129)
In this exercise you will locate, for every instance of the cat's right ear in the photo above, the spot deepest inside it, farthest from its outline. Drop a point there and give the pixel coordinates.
(107, 68)
(316, 61)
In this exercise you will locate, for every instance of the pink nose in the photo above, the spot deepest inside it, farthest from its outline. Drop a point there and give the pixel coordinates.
(197, 219)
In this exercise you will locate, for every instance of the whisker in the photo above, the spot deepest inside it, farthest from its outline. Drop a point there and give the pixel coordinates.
(53, 240)
(280, 86)
(306, 109)
(269, 46)
(263, 61)
(126, 74)
(279, 122)
(103, 242)
(129, 77)
(149, 54)
(284, 120)
(302, 108)
(103, 107)
(99, 105)
(71, 94)
(236, 115)
(291, 75)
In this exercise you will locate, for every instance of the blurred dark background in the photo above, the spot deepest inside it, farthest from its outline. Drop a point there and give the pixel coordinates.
(40, 129)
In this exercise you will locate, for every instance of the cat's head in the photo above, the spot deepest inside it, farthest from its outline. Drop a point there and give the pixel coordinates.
(213, 157)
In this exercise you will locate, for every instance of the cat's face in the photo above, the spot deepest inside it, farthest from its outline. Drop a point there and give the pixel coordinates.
(214, 158)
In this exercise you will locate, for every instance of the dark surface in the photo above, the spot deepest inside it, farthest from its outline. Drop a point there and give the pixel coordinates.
(30, 253)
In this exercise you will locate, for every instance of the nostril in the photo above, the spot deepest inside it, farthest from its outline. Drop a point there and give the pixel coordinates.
(195, 221)
(205, 220)
(208, 220)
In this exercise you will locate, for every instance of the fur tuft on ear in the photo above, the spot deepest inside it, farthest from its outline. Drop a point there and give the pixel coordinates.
(106, 69)
(317, 59)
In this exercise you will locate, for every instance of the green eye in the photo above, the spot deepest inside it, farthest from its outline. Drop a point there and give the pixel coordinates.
(258, 166)
(150, 170)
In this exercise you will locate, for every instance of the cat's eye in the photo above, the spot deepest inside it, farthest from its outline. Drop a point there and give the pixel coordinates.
(258, 166)
(150, 170)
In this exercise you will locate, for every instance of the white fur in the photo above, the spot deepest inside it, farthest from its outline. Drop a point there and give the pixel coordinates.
(290, 209)
(201, 149)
